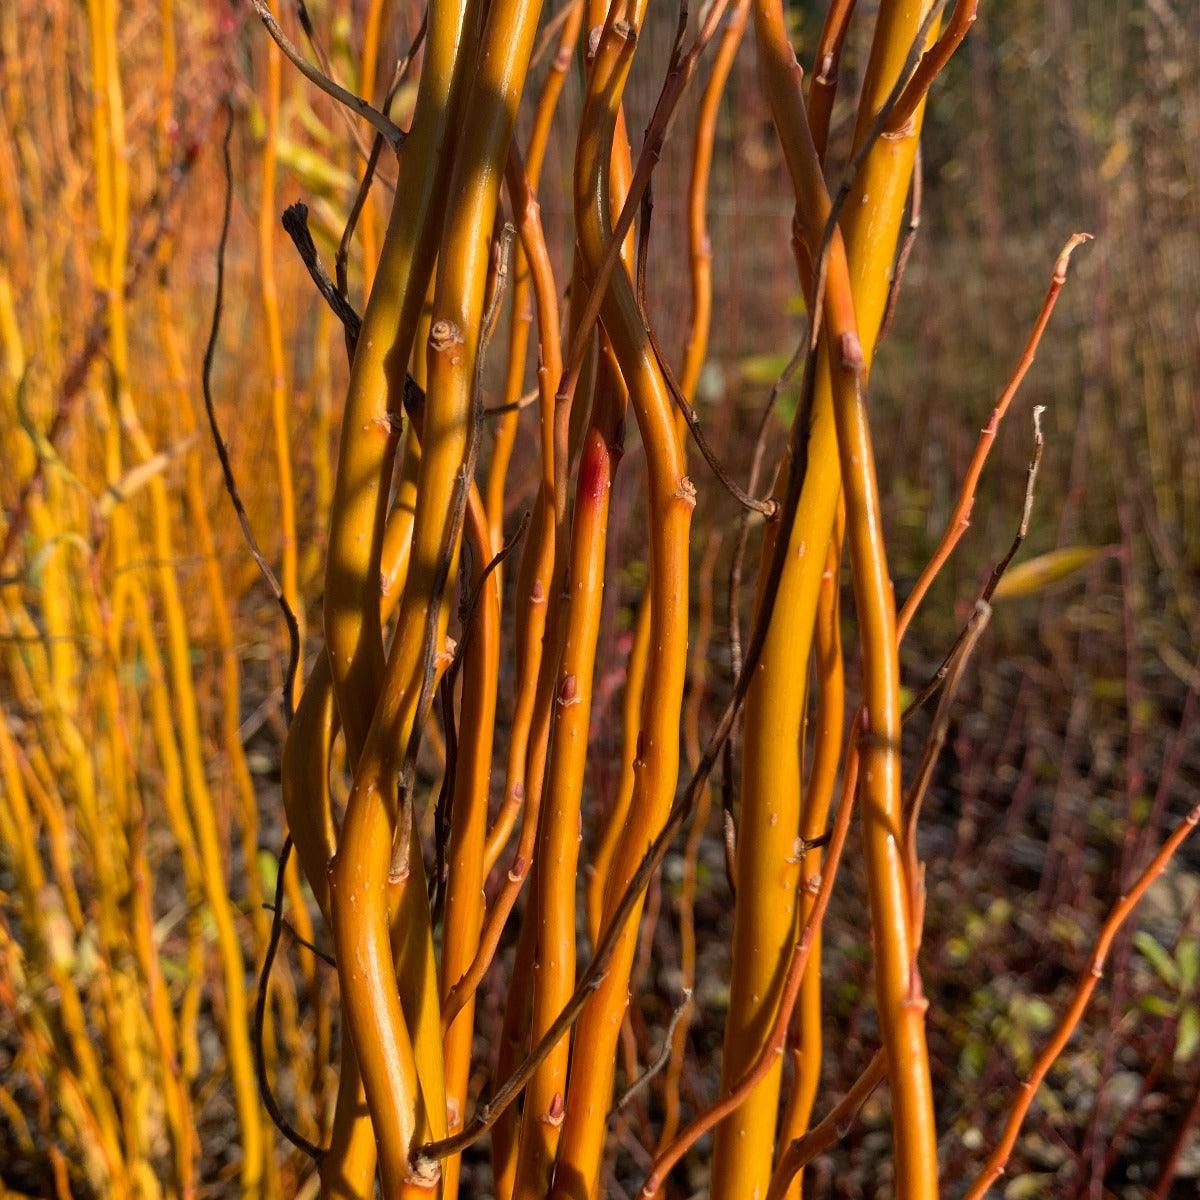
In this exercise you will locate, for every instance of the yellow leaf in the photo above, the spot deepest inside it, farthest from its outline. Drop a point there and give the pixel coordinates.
(1037, 573)
(315, 172)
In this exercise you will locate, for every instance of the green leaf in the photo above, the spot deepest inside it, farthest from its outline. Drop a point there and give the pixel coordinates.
(764, 368)
(1037, 1014)
(973, 1058)
(268, 871)
(1187, 1038)
(1157, 1006)
(1034, 574)
(1158, 958)
(1188, 958)
(1028, 1187)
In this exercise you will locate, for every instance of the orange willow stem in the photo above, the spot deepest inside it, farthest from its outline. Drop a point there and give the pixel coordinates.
(960, 519)
(385, 1036)
(699, 246)
(514, 1041)
(694, 355)
(535, 586)
(931, 64)
(631, 721)
(691, 852)
(558, 837)
(1122, 910)
(468, 826)
(672, 499)
(540, 566)
(823, 88)
(522, 316)
(833, 1126)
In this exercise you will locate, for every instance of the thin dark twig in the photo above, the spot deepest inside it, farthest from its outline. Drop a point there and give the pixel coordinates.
(342, 261)
(989, 588)
(964, 648)
(729, 839)
(1039, 445)
(734, 610)
(468, 615)
(260, 1005)
(916, 191)
(498, 410)
(442, 810)
(289, 617)
(661, 1059)
(295, 221)
(765, 508)
(260, 1013)
(301, 940)
(467, 621)
(380, 121)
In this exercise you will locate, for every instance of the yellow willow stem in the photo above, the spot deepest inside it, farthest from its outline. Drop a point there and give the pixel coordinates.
(176, 1100)
(370, 422)
(307, 748)
(768, 870)
(360, 880)
(57, 831)
(172, 796)
(373, 409)
(322, 388)
(558, 834)
(805, 1041)
(880, 193)
(204, 821)
(76, 1040)
(196, 499)
(348, 1167)
(125, 1013)
(267, 222)
(672, 498)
